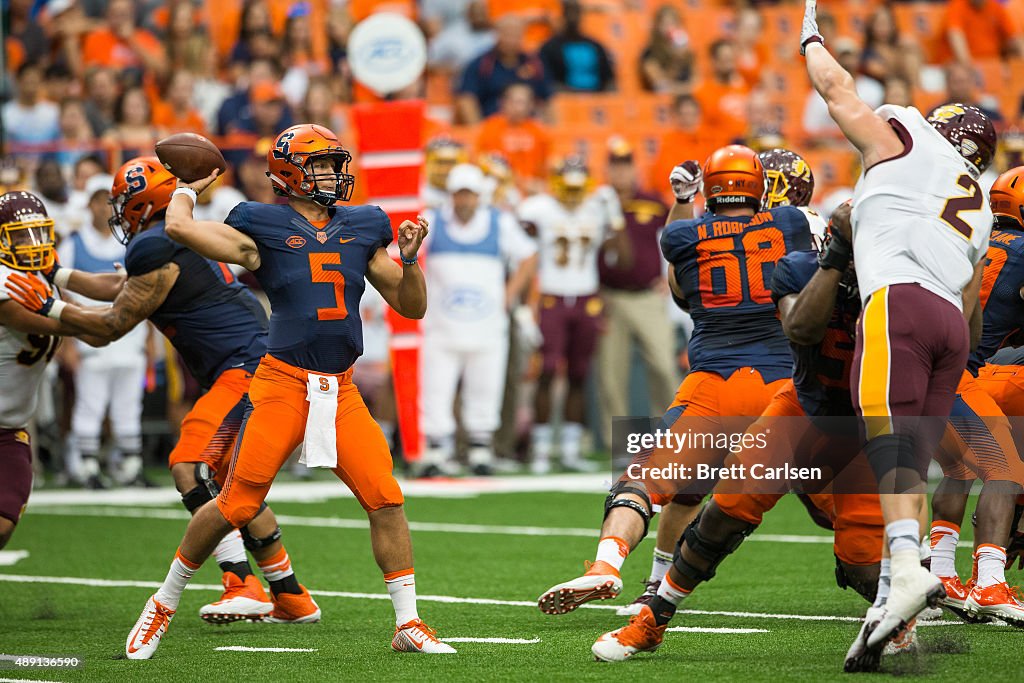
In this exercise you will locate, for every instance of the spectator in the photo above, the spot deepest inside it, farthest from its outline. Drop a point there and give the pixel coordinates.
(217, 201)
(462, 40)
(235, 110)
(667, 62)
(320, 107)
(982, 29)
(133, 133)
(635, 299)
(76, 137)
(268, 110)
(723, 96)
(817, 121)
(339, 25)
(689, 138)
(512, 133)
(481, 264)
(438, 15)
(898, 92)
(764, 122)
(881, 54)
(102, 91)
(574, 61)
(297, 55)
(120, 44)
(29, 119)
(176, 113)
(53, 191)
(186, 37)
(751, 52)
(254, 24)
(486, 77)
(108, 380)
(209, 91)
(59, 83)
(537, 16)
(961, 83)
(252, 174)
(68, 25)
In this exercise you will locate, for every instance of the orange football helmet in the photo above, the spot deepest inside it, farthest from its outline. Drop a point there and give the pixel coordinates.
(1007, 195)
(142, 188)
(290, 162)
(733, 175)
(26, 232)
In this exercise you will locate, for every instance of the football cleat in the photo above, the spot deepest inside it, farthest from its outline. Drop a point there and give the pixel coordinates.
(601, 582)
(905, 643)
(650, 590)
(956, 594)
(241, 601)
(911, 592)
(641, 634)
(415, 636)
(290, 608)
(149, 629)
(999, 601)
(859, 657)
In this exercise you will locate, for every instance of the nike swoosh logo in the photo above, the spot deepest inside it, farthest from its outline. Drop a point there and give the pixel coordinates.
(343, 240)
(417, 643)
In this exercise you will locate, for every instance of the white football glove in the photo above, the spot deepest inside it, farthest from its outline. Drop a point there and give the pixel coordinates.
(527, 328)
(686, 179)
(809, 32)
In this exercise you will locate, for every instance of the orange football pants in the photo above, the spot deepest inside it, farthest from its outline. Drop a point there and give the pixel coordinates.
(1005, 384)
(709, 395)
(856, 517)
(208, 431)
(275, 427)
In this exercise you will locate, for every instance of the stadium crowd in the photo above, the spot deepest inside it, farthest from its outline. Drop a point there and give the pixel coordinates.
(632, 87)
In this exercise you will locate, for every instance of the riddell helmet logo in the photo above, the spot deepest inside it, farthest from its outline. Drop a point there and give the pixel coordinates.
(296, 241)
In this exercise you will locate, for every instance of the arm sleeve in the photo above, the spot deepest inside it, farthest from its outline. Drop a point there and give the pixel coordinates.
(147, 254)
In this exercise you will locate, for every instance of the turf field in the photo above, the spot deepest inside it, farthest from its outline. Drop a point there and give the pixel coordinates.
(481, 561)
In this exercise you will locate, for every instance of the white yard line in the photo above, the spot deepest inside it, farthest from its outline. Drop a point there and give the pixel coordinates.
(342, 523)
(246, 648)
(21, 680)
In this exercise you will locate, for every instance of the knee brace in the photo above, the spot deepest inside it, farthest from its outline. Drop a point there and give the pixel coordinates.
(253, 544)
(891, 451)
(862, 578)
(206, 488)
(713, 545)
(637, 489)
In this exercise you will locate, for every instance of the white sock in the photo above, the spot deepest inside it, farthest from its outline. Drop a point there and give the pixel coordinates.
(991, 565)
(884, 581)
(230, 549)
(180, 573)
(541, 437)
(904, 534)
(671, 592)
(944, 538)
(402, 589)
(660, 565)
(612, 550)
(572, 440)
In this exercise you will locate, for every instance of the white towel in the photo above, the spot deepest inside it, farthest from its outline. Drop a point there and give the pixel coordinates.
(320, 447)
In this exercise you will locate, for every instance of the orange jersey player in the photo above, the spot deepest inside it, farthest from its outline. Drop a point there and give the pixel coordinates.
(312, 258)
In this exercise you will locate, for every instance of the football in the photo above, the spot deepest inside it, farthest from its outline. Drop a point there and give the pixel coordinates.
(189, 156)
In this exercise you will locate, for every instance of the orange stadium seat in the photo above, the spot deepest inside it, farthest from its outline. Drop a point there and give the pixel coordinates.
(923, 20)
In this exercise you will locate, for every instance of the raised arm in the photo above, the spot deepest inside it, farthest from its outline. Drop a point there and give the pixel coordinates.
(402, 286)
(685, 180)
(214, 240)
(872, 136)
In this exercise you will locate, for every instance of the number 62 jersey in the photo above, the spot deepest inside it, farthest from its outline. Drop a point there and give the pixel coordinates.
(724, 266)
(23, 359)
(920, 216)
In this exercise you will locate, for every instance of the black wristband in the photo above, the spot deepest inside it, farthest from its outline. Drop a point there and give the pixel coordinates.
(812, 39)
(836, 255)
(684, 202)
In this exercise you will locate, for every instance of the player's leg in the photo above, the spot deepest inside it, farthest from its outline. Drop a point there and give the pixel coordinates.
(92, 395)
(554, 348)
(584, 331)
(364, 464)
(440, 368)
(614, 360)
(270, 432)
(657, 344)
(483, 386)
(128, 388)
(15, 479)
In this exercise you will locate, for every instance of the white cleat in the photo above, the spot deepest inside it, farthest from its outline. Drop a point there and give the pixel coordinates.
(641, 634)
(601, 582)
(859, 657)
(149, 629)
(415, 636)
(911, 592)
(905, 643)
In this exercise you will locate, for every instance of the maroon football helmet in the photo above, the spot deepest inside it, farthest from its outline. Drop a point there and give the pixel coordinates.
(26, 232)
(788, 178)
(969, 131)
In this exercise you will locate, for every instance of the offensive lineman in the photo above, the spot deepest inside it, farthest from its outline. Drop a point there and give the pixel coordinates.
(920, 233)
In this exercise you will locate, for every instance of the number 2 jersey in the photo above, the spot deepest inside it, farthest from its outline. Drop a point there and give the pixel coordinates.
(919, 217)
(23, 359)
(1001, 302)
(821, 372)
(724, 266)
(314, 277)
(212, 320)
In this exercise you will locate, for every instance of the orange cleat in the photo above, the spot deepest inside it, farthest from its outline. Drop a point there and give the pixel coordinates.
(999, 601)
(242, 600)
(642, 634)
(290, 608)
(600, 582)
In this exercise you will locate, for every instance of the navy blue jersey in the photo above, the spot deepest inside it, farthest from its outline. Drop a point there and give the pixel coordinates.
(314, 278)
(1008, 355)
(821, 372)
(724, 265)
(1002, 306)
(213, 320)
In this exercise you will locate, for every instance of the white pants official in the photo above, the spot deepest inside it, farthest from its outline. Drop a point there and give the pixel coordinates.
(482, 372)
(102, 389)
